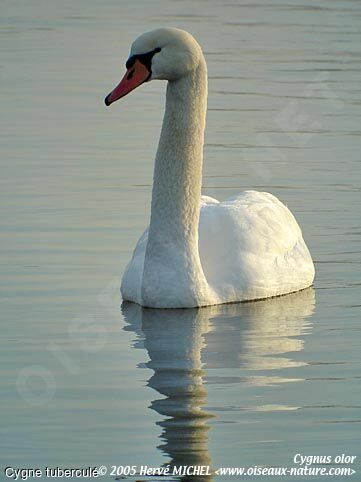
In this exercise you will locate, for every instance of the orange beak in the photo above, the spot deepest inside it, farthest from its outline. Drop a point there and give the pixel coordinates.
(136, 75)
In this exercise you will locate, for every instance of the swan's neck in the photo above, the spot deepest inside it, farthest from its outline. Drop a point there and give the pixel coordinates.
(172, 257)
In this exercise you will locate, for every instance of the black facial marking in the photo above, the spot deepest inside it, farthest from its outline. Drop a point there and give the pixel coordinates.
(145, 59)
(130, 62)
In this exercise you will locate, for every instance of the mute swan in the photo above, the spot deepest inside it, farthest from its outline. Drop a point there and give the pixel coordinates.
(198, 251)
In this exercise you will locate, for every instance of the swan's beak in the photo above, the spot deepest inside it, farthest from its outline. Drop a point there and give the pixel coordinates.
(136, 75)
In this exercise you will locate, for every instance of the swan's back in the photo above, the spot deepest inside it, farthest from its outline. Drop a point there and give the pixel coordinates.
(251, 247)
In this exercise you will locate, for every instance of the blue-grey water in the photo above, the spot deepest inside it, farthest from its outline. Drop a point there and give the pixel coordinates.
(88, 382)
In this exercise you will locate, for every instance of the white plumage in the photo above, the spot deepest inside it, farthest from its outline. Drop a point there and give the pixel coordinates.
(250, 247)
(198, 251)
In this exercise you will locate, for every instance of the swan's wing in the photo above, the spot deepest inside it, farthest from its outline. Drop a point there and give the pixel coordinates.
(252, 247)
(132, 277)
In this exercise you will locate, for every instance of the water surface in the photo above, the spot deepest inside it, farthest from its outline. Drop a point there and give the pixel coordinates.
(85, 382)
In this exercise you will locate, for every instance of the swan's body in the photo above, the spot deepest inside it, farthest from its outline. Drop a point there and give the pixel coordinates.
(198, 251)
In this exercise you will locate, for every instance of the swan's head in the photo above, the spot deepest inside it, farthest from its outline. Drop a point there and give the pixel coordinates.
(165, 53)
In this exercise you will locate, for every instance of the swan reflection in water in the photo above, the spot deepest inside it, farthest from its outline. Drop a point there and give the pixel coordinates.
(184, 343)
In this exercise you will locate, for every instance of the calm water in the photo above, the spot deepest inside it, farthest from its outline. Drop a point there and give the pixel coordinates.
(85, 382)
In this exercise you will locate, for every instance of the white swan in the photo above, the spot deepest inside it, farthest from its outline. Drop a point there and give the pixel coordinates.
(198, 251)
